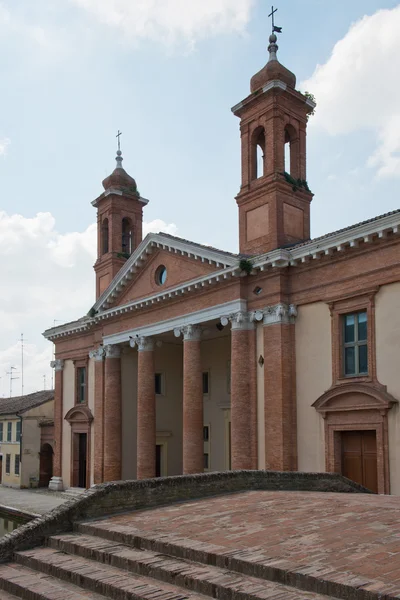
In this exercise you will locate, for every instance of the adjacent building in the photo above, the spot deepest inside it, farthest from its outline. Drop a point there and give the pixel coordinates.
(27, 440)
(283, 356)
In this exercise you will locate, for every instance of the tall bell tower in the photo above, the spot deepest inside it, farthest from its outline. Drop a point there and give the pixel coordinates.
(274, 198)
(119, 224)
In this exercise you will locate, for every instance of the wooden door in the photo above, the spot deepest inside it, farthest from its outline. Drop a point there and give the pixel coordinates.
(82, 460)
(359, 460)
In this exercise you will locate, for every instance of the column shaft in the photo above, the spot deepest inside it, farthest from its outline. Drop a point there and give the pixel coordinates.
(112, 418)
(146, 415)
(58, 422)
(280, 398)
(99, 420)
(240, 400)
(193, 445)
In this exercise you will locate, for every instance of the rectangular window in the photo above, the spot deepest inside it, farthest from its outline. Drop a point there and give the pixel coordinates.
(206, 461)
(9, 432)
(81, 385)
(8, 463)
(206, 382)
(206, 433)
(17, 463)
(1, 432)
(18, 432)
(159, 384)
(355, 337)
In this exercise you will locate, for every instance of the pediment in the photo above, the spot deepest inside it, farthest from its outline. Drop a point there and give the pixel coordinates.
(178, 269)
(79, 414)
(184, 261)
(355, 396)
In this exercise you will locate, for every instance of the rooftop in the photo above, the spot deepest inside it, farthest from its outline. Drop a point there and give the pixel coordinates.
(20, 404)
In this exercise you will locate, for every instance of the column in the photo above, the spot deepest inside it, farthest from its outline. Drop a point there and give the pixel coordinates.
(56, 482)
(280, 388)
(112, 414)
(193, 445)
(146, 410)
(241, 410)
(98, 356)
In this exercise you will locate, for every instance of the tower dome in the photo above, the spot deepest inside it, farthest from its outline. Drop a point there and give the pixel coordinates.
(273, 70)
(119, 178)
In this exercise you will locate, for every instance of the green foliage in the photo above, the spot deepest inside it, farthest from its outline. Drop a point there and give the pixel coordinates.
(92, 312)
(296, 183)
(246, 265)
(123, 255)
(312, 98)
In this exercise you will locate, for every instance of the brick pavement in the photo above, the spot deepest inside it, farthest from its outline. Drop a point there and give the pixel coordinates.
(30, 501)
(349, 538)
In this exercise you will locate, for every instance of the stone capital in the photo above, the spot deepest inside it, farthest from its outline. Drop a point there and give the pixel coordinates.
(142, 343)
(240, 321)
(278, 314)
(98, 354)
(112, 351)
(191, 333)
(57, 364)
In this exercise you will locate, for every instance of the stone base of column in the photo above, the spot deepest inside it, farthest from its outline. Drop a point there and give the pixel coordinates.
(56, 484)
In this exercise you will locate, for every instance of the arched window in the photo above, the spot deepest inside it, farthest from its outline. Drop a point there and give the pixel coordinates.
(292, 151)
(127, 236)
(258, 153)
(104, 237)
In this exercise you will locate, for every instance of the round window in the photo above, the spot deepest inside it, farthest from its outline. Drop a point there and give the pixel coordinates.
(161, 275)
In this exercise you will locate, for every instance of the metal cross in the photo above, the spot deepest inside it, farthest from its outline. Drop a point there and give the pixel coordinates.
(119, 141)
(274, 28)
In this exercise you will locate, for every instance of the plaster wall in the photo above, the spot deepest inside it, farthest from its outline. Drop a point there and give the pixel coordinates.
(313, 378)
(387, 331)
(68, 403)
(215, 356)
(31, 441)
(12, 448)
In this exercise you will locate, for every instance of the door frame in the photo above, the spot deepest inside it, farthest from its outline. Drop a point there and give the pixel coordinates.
(80, 418)
(357, 407)
(162, 440)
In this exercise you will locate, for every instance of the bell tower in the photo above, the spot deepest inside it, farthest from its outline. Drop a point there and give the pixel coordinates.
(119, 224)
(274, 198)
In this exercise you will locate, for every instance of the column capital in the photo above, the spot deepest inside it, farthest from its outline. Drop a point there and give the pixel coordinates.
(240, 321)
(142, 343)
(191, 333)
(112, 351)
(57, 364)
(98, 354)
(276, 314)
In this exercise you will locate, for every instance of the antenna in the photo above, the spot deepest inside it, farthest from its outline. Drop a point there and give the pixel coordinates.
(44, 382)
(11, 373)
(22, 363)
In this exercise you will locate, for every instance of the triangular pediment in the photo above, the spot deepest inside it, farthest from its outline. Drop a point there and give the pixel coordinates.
(182, 260)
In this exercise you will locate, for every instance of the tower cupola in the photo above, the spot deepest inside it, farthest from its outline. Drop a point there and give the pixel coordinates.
(273, 70)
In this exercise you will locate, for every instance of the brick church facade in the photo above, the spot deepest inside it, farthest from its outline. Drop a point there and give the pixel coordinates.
(282, 357)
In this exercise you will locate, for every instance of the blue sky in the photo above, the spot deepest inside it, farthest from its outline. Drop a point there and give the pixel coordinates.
(167, 72)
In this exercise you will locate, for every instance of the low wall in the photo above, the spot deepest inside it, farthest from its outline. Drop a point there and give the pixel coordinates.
(109, 498)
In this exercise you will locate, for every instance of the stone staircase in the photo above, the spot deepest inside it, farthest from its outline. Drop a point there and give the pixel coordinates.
(86, 565)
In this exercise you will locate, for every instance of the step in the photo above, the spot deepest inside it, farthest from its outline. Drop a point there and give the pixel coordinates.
(99, 578)
(202, 579)
(33, 585)
(251, 562)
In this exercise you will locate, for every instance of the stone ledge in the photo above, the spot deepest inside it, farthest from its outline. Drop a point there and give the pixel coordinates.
(120, 496)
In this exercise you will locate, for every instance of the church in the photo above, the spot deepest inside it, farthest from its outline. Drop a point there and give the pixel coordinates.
(284, 356)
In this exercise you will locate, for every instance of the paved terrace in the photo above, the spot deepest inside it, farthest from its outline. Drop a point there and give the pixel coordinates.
(354, 538)
(34, 502)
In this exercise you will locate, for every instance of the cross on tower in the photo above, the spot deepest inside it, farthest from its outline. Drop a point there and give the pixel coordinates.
(119, 141)
(274, 27)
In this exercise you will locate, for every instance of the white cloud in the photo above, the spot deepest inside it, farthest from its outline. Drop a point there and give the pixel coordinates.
(46, 276)
(4, 143)
(358, 88)
(170, 20)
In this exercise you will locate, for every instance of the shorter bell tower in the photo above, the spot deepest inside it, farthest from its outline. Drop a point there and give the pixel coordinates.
(119, 224)
(274, 198)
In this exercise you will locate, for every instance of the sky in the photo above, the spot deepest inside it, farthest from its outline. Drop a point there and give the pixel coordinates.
(166, 73)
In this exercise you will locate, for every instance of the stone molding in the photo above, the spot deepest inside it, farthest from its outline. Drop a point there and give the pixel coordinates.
(240, 321)
(58, 364)
(191, 333)
(112, 351)
(98, 354)
(277, 314)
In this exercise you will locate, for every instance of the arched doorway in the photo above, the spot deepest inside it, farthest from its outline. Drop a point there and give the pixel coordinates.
(80, 419)
(46, 465)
